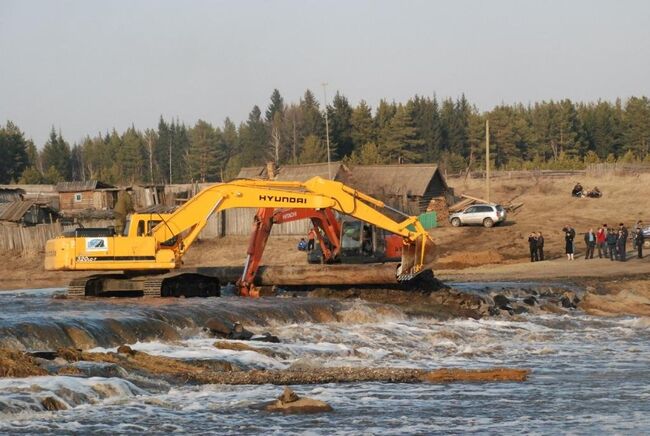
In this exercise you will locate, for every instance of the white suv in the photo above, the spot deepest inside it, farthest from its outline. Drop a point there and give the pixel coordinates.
(484, 214)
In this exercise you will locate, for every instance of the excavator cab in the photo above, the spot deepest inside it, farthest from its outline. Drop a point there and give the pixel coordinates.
(363, 243)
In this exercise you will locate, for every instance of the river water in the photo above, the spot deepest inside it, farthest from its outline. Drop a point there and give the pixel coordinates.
(589, 375)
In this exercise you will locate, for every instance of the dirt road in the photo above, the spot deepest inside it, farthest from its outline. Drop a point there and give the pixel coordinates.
(556, 269)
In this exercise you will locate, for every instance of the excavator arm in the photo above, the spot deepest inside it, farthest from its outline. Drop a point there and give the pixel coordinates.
(186, 222)
(265, 218)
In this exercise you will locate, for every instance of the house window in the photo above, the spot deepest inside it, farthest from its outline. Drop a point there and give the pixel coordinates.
(77, 198)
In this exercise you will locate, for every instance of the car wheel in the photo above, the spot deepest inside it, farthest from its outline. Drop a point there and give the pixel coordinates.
(455, 222)
(487, 222)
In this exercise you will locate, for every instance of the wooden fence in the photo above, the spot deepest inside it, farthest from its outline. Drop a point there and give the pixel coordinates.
(27, 240)
(239, 222)
(616, 169)
(31, 240)
(520, 174)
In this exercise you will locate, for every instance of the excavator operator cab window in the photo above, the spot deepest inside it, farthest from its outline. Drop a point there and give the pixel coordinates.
(140, 230)
(351, 238)
(366, 242)
(150, 225)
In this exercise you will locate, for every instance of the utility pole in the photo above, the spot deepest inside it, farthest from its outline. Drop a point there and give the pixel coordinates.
(170, 160)
(487, 160)
(327, 134)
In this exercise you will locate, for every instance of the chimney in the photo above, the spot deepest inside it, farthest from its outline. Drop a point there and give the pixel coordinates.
(270, 170)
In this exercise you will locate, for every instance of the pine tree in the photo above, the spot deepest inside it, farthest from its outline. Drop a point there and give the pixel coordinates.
(13, 153)
(132, 156)
(313, 150)
(254, 139)
(313, 122)
(362, 126)
(277, 105)
(426, 120)
(162, 151)
(385, 113)
(637, 126)
(56, 154)
(340, 124)
(205, 152)
(399, 140)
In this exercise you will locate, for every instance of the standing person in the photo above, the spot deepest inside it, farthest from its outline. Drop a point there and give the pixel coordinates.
(568, 242)
(532, 244)
(611, 244)
(311, 236)
(590, 241)
(621, 246)
(540, 246)
(601, 241)
(639, 239)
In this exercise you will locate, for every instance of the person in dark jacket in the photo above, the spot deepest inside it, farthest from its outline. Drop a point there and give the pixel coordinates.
(569, 236)
(623, 241)
(590, 242)
(620, 245)
(639, 239)
(611, 244)
(532, 244)
(540, 246)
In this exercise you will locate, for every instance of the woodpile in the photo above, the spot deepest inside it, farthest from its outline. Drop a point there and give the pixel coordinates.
(468, 200)
(440, 206)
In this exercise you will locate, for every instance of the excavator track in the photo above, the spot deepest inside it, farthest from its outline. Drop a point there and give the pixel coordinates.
(162, 285)
(153, 287)
(77, 287)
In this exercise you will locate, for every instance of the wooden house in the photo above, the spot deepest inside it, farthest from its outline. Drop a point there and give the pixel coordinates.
(87, 195)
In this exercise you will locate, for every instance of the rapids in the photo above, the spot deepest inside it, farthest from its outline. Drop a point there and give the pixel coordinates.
(590, 375)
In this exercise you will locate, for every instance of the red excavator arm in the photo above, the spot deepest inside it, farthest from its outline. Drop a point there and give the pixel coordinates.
(322, 219)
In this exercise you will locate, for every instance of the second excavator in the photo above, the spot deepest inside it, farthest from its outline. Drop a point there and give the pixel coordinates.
(149, 261)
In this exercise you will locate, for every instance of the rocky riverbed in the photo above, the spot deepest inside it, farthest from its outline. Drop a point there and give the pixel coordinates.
(383, 361)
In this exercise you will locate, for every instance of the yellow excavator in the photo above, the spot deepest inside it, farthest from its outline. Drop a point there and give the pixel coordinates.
(146, 258)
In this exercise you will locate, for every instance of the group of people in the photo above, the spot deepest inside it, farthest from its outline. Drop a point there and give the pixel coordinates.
(536, 244)
(579, 191)
(610, 243)
(307, 245)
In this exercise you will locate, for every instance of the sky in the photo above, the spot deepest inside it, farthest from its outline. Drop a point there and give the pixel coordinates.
(89, 66)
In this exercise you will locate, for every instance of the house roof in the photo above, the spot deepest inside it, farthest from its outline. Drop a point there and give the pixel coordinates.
(15, 210)
(298, 173)
(302, 173)
(409, 179)
(87, 185)
(258, 172)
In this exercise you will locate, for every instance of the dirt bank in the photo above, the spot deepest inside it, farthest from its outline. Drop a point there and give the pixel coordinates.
(215, 372)
(620, 297)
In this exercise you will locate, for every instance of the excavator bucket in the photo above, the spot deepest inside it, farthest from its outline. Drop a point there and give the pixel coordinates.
(416, 258)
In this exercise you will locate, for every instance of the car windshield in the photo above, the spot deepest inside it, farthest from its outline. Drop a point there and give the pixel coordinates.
(499, 208)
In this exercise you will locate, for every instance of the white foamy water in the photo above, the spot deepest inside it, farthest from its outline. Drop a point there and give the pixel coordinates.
(590, 376)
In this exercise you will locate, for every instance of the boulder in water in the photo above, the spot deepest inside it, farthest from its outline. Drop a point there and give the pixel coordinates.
(290, 402)
(531, 301)
(224, 329)
(125, 349)
(502, 302)
(51, 403)
(266, 337)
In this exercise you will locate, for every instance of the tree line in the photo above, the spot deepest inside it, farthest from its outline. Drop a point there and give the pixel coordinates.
(451, 132)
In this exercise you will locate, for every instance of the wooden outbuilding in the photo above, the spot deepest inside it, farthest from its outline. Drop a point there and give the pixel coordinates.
(90, 194)
(409, 187)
